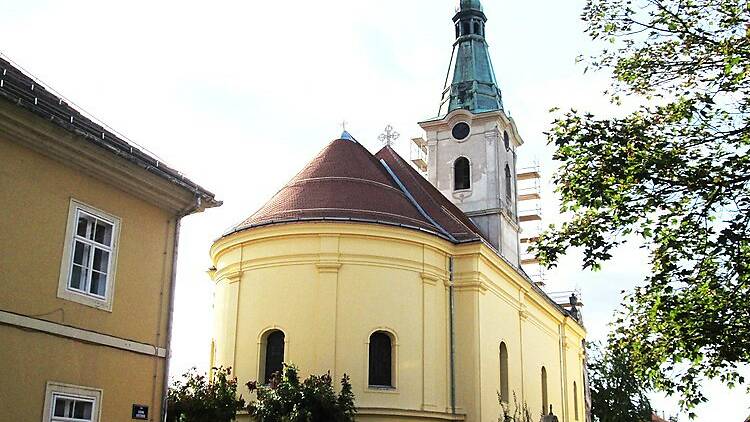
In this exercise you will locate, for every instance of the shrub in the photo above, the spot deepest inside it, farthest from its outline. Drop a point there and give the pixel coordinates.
(286, 399)
(200, 398)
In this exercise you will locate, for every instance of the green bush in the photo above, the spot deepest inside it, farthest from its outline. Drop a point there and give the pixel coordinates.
(198, 398)
(286, 399)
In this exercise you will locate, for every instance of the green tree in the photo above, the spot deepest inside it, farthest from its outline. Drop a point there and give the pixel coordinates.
(198, 398)
(616, 394)
(286, 399)
(674, 173)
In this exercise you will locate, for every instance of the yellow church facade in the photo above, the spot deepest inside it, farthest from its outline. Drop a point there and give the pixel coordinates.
(408, 278)
(328, 287)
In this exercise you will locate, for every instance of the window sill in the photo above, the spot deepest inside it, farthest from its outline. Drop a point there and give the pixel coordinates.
(382, 389)
(84, 299)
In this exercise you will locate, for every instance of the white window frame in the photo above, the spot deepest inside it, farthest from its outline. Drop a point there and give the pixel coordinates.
(57, 389)
(64, 291)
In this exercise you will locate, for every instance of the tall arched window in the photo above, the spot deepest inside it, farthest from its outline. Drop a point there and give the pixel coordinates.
(508, 182)
(461, 174)
(504, 393)
(506, 140)
(274, 354)
(575, 399)
(545, 402)
(381, 360)
(477, 27)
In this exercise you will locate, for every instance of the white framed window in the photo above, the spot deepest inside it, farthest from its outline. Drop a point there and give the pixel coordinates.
(71, 403)
(87, 273)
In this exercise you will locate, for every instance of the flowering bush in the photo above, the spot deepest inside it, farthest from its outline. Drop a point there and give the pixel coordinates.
(286, 399)
(198, 398)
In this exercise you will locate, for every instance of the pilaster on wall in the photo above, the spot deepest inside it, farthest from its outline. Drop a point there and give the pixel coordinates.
(430, 340)
(327, 302)
(232, 308)
(523, 315)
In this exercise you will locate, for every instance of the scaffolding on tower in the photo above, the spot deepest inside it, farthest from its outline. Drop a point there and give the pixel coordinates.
(530, 219)
(418, 154)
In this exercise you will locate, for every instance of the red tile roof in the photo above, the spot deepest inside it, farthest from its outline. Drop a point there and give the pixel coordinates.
(445, 213)
(345, 182)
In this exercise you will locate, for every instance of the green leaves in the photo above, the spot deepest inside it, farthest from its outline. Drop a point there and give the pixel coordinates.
(616, 394)
(198, 398)
(286, 399)
(677, 174)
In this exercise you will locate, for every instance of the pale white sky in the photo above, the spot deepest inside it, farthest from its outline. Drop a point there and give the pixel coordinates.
(239, 95)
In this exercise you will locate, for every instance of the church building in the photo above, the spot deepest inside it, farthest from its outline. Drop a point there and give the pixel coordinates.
(411, 285)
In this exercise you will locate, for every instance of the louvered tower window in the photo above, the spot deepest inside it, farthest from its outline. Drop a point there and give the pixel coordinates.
(508, 181)
(462, 174)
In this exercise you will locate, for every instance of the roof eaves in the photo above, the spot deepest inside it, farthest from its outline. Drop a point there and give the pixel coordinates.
(44, 103)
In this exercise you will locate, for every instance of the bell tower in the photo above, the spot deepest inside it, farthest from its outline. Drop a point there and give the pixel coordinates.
(471, 144)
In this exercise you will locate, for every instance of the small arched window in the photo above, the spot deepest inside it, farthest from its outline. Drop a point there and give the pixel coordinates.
(461, 174)
(504, 393)
(274, 354)
(575, 399)
(508, 182)
(545, 401)
(506, 140)
(381, 360)
(477, 28)
(465, 28)
(458, 31)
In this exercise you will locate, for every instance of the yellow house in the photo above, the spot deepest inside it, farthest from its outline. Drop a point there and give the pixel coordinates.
(410, 283)
(88, 231)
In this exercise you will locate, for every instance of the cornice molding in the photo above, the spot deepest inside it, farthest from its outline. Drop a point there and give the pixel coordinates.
(328, 267)
(74, 151)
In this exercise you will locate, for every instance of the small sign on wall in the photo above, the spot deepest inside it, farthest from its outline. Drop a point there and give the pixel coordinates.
(140, 411)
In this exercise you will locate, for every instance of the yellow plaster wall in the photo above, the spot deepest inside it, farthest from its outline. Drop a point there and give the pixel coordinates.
(35, 193)
(28, 360)
(328, 286)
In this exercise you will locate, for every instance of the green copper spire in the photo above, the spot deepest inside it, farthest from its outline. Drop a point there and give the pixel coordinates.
(472, 86)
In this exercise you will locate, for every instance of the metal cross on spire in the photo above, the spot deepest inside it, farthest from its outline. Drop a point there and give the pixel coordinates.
(389, 136)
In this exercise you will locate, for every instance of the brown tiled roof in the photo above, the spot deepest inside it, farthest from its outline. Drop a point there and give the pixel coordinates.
(344, 182)
(435, 204)
(21, 89)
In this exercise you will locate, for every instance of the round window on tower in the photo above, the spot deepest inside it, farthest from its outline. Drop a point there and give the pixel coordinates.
(461, 131)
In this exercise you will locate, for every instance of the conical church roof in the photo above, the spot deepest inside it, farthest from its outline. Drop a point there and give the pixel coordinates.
(345, 182)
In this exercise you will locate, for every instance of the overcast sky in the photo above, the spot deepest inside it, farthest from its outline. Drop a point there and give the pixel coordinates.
(240, 95)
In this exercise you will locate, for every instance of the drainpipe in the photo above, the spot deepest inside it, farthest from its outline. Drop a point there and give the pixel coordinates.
(170, 318)
(452, 317)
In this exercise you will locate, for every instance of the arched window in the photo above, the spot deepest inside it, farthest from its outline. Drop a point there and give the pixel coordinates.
(381, 360)
(477, 28)
(461, 174)
(465, 28)
(504, 393)
(575, 399)
(545, 402)
(508, 182)
(506, 140)
(274, 354)
(458, 31)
